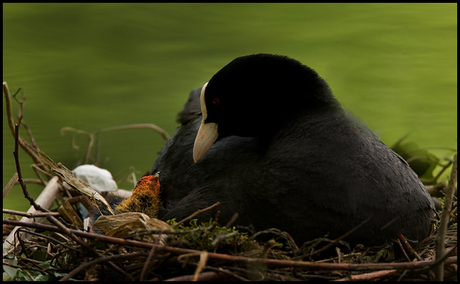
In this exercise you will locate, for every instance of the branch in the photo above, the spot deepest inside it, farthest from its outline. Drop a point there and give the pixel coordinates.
(29, 149)
(10, 184)
(30, 215)
(163, 133)
(440, 245)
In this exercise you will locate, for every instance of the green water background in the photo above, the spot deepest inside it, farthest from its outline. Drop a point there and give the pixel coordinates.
(93, 66)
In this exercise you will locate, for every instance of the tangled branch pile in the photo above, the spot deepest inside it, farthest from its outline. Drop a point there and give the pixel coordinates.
(46, 245)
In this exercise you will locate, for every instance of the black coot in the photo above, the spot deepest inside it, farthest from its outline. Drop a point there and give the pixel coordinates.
(275, 146)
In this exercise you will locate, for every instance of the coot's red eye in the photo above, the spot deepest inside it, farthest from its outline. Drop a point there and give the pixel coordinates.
(216, 101)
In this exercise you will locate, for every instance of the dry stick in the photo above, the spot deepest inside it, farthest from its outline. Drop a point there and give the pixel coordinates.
(444, 167)
(49, 238)
(24, 144)
(369, 276)
(435, 190)
(163, 133)
(146, 264)
(18, 170)
(196, 213)
(222, 271)
(205, 276)
(340, 238)
(9, 107)
(241, 259)
(33, 180)
(408, 246)
(92, 137)
(444, 257)
(231, 221)
(223, 237)
(201, 264)
(10, 184)
(74, 145)
(100, 259)
(402, 249)
(29, 132)
(402, 240)
(152, 251)
(30, 215)
(37, 171)
(442, 231)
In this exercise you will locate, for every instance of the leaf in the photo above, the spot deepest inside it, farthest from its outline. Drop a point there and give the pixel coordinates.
(420, 160)
(10, 271)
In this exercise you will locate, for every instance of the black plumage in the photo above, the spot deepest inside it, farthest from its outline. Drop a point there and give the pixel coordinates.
(287, 155)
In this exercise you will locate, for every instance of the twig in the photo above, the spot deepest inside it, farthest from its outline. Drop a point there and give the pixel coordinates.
(201, 264)
(196, 213)
(369, 276)
(48, 237)
(30, 215)
(205, 276)
(163, 133)
(95, 136)
(222, 236)
(444, 257)
(39, 170)
(440, 245)
(444, 168)
(83, 132)
(23, 143)
(151, 253)
(18, 169)
(146, 264)
(435, 190)
(33, 180)
(101, 259)
(336, 241)
(408, 246)
(402, 249)
(241, 259)
(232, 220)
(9, 107)
(10, 184)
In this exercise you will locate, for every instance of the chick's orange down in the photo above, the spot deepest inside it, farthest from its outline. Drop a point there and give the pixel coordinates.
(144, 199)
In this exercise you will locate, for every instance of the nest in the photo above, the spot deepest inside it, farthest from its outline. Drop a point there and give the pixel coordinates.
(54, 242)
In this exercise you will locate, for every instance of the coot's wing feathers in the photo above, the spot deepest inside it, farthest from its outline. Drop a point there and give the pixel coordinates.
(333, 171)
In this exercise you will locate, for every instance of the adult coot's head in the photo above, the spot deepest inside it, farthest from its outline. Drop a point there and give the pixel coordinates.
(255, 95)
